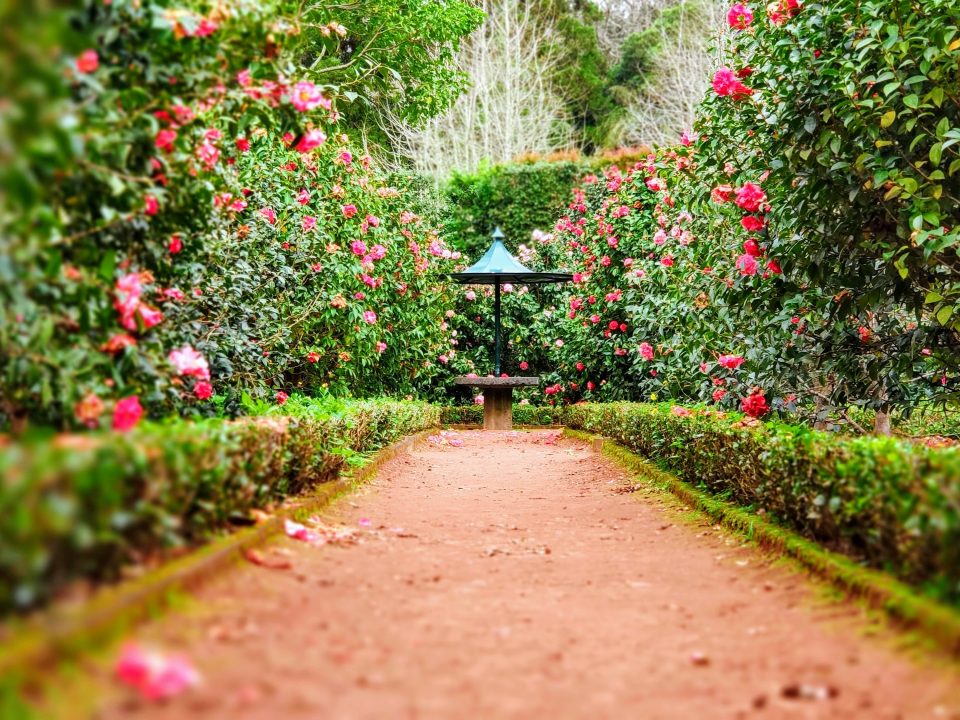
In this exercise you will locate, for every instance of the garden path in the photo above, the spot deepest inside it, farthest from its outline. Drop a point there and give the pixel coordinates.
(511, 577)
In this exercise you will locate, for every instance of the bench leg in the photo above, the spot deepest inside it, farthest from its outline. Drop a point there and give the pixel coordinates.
(498, 409)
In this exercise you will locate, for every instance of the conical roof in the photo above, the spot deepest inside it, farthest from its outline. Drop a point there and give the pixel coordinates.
(498, 266)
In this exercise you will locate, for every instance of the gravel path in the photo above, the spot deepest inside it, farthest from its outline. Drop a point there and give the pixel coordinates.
(512, 577)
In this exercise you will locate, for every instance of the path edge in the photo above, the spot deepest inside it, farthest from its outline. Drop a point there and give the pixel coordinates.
(936, 622)
(60, 634)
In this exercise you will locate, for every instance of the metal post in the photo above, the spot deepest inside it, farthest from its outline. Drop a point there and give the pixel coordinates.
(496, 361)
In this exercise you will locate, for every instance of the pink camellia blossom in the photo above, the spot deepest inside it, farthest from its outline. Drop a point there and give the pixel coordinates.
(118, 342)
(752, 223)
(680, 411)
(750, 197)
(646, 351)
(719, 394)
(150, 205)
(244, 78)
(203, 390)
(127, 413)
(349, 210)
(730, 362)
(189, 363)
(311, 140)
(358, 248)
(303, 197)
(780, 11)
(346, 157)
(470, 295)
(750, 247)
(281, 397)
(174, 294)
(667, 261)
(88, 62)
(165, 139)
(739, 17)
(373, 221)
(655, 184)
(478, 400)
(153, 675)
(369, 316)
(308, 222)
(175, 244)
(269, 214)
(747, 264)
(305, 96)
(148, 316)
(727, 84)
(381, 346)
(688, 138)
(558, 343)
(208, 154)
(443, 359)
(721, 194)
(205, 27)
(524, 365)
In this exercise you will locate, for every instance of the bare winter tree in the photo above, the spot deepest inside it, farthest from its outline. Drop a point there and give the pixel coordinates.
(510, 107)
(680, 75)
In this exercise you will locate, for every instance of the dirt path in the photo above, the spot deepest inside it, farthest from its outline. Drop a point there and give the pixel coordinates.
(508, 578)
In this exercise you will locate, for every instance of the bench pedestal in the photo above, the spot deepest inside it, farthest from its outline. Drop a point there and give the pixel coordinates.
(497, 398)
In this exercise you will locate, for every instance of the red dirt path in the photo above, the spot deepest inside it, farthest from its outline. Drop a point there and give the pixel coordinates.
(524, 585)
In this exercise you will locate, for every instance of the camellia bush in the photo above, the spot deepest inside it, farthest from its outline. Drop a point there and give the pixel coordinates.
(184, 215)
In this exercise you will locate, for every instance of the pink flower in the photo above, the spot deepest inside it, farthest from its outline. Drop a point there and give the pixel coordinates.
(719, 394)
(747, 265)
(373, 221)
(730, 362)
(470, 295)
(281, 397)
(148, 316)
(269, 214)
(189, 363)
(378, 252)
(346, 157)
(524, 365)
(721, 194)
(88, 62)
(349, 210)
(358, 248)
(739, 17)
(308, 222)
(150, 205)
(127, 413)
(381, 346)
(369, 316)
(310, 141)
(680, 411)
(313, 357)
(203, 390)
(175, 245)
(306, 96)
(646, 351)
(165, 139)
(750, 197)
(656, 184)
(244, 78)
(478, 400)
(205, 27)
(752, 223)
(208, 154)
(727, 84)
(688, 138)
(303, 197)
(155, 676)
(667, 261)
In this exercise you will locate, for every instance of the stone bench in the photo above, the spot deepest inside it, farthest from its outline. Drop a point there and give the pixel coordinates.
(497, 398)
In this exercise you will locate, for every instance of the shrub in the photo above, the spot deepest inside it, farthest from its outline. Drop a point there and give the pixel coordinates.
(78, 507)
(890, 504)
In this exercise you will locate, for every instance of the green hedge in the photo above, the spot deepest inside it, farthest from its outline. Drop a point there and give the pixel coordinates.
(889, 503)
(519, 197)
(78, 507)
(522, 415)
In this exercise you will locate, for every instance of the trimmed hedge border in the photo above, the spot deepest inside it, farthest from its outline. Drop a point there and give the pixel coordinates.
(84, 507)
(937, 622)
(61, 633)
(887, 504)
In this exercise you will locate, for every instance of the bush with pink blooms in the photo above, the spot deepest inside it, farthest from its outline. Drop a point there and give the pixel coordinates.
(175, 179)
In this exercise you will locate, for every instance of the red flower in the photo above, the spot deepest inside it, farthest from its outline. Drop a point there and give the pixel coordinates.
(752, 223)
(127, 413)
(581, 366)
(756, 404)
(242, 144)
(313, 357)
(747, 265)
(646, 351)
(730, 362)
(721, 194)
(150, 205)
(175, 245)
(750, 247)
(118, 343)
(203, 390)
(524, 365)
(88, 62)
(774, 267)
(719, 394)
(281, 397)
(164, 140)
(727, 84)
